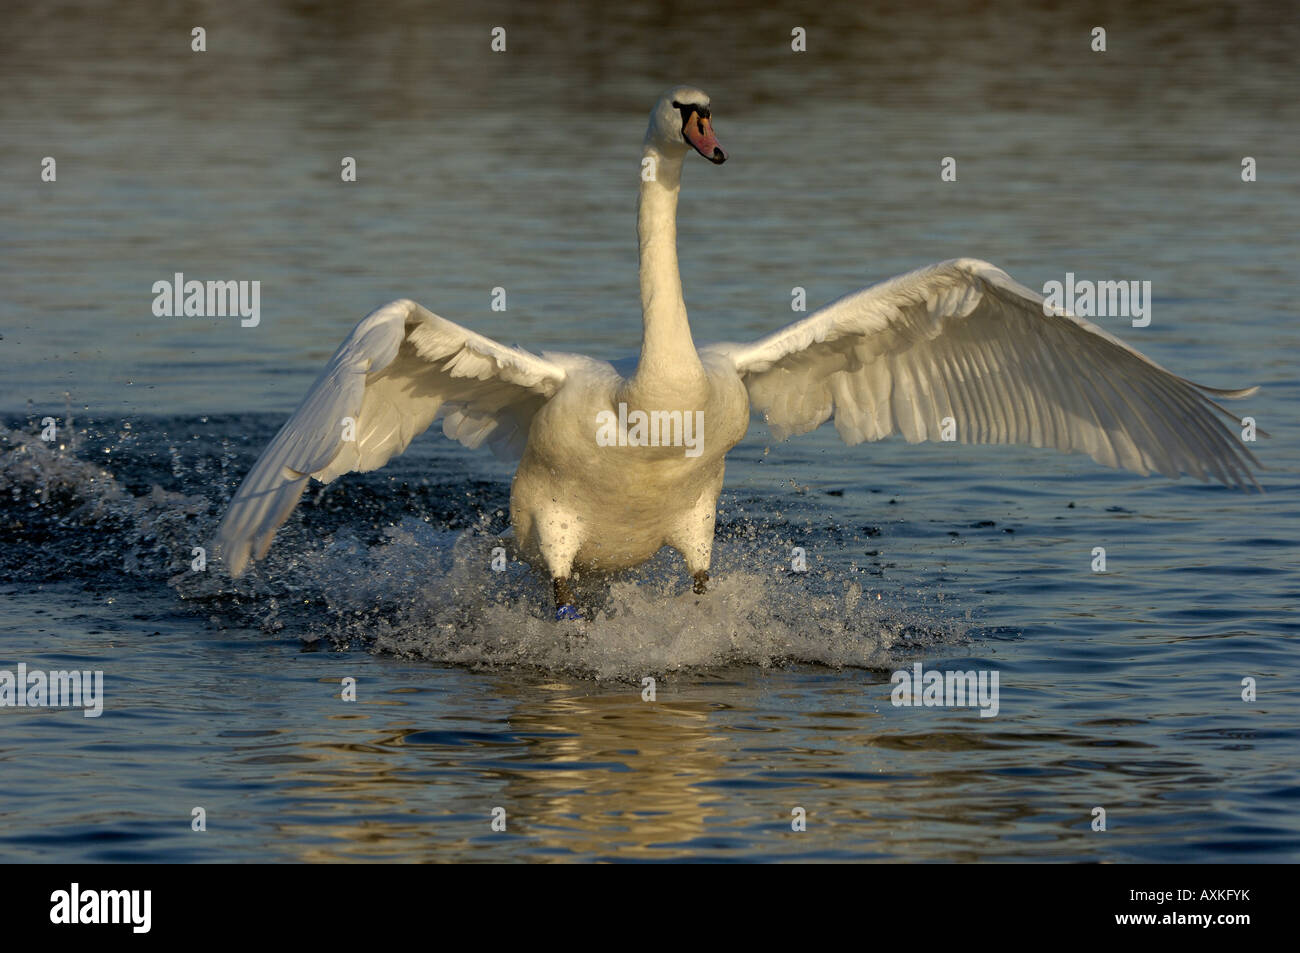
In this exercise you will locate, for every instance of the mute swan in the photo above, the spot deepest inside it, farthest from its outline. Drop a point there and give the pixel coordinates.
(612, 468)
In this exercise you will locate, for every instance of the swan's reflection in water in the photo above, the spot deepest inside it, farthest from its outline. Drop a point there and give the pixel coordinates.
(580, 773)
(619, 775)
(592, 772)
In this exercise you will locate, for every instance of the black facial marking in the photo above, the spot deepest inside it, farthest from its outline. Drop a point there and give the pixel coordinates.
(687, 108)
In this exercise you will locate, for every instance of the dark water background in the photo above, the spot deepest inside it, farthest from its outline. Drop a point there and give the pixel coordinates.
(518, 170)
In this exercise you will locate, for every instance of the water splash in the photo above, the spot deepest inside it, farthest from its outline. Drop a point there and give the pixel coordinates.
(432, 594)
(426, 588)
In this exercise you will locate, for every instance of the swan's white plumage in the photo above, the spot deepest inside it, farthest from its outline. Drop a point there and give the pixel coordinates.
(962, 339)
(959, 339)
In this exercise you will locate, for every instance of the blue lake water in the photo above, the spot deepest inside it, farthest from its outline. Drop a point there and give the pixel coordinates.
(477, 170)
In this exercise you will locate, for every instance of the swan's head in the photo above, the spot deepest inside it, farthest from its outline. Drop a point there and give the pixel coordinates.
(682, 119)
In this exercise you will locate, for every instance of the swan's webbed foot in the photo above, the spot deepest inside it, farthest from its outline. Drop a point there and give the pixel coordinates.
(565, 606)
(701, 583)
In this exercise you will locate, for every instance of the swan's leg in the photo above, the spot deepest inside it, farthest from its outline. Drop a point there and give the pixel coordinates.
(558, 540)
(565, 608)
(693, 538)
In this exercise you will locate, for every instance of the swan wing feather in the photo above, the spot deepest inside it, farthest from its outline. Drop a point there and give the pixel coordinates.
(400, 369)
(962, 340)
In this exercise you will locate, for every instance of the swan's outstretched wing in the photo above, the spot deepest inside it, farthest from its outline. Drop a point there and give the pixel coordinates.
(398, 370)
(961, 339)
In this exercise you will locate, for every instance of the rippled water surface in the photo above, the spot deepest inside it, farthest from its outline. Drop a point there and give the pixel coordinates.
(476, 170)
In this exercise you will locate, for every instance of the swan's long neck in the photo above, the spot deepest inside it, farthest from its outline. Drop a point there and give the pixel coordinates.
(668, 356)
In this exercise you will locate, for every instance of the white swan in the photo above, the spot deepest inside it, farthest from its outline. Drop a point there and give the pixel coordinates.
(958, 340)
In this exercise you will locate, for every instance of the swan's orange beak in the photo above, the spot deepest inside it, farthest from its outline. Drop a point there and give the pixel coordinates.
(698, 131)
